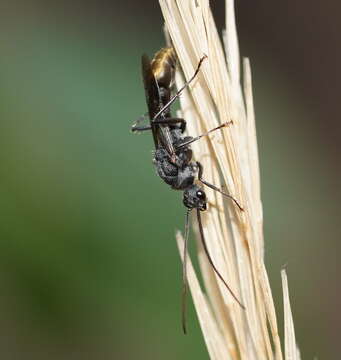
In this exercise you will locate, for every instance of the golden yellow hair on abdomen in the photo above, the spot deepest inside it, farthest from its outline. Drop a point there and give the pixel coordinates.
(163, 66)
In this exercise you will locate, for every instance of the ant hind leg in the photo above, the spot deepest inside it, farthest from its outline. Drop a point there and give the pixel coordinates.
(172, 121)
(135, 128)
(140, 128)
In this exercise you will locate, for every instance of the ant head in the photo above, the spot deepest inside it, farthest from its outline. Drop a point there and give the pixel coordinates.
(195, 198)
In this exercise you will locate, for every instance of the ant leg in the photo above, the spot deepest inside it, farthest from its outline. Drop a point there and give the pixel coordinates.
(184, 276)
(214, 187)
(180, 121)
(204, 134)
(134, 127)
(140, 128)
(170, 102)
(165, 121)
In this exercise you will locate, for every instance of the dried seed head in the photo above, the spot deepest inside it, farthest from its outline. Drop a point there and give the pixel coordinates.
(230, 160)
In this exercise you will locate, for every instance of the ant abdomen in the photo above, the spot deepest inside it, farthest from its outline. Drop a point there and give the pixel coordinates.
(163, 67)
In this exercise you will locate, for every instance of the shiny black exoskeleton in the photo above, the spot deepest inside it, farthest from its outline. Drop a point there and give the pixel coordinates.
(173, 155)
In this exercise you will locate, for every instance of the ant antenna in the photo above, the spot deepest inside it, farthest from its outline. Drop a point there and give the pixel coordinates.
(170, 102)
(211, 261)
(184, 276)
(214, 187)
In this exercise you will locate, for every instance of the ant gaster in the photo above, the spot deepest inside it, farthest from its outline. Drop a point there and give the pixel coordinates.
(173, 155)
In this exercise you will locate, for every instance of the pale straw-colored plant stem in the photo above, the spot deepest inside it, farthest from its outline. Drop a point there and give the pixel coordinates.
(230, 160)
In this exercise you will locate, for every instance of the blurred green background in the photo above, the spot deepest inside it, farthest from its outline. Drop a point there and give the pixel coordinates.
(89, 267)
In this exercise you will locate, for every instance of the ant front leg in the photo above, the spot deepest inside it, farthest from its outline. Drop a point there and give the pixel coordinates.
(201, 169)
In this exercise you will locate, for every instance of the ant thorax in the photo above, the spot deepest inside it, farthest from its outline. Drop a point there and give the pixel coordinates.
(178, 177)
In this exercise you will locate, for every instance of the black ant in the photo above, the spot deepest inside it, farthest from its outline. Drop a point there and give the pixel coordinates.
(173, 155)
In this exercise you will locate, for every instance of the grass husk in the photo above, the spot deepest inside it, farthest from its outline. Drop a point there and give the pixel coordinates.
(230, 160)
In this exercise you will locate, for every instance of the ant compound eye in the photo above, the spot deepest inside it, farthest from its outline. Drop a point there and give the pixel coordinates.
(200, 194)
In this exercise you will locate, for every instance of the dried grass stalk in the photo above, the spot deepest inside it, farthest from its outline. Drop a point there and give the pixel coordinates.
(230, 159)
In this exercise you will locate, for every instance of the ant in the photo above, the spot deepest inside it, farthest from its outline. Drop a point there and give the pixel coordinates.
(173, 155)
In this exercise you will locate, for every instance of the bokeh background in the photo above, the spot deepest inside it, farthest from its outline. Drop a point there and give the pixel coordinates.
(88, 262)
